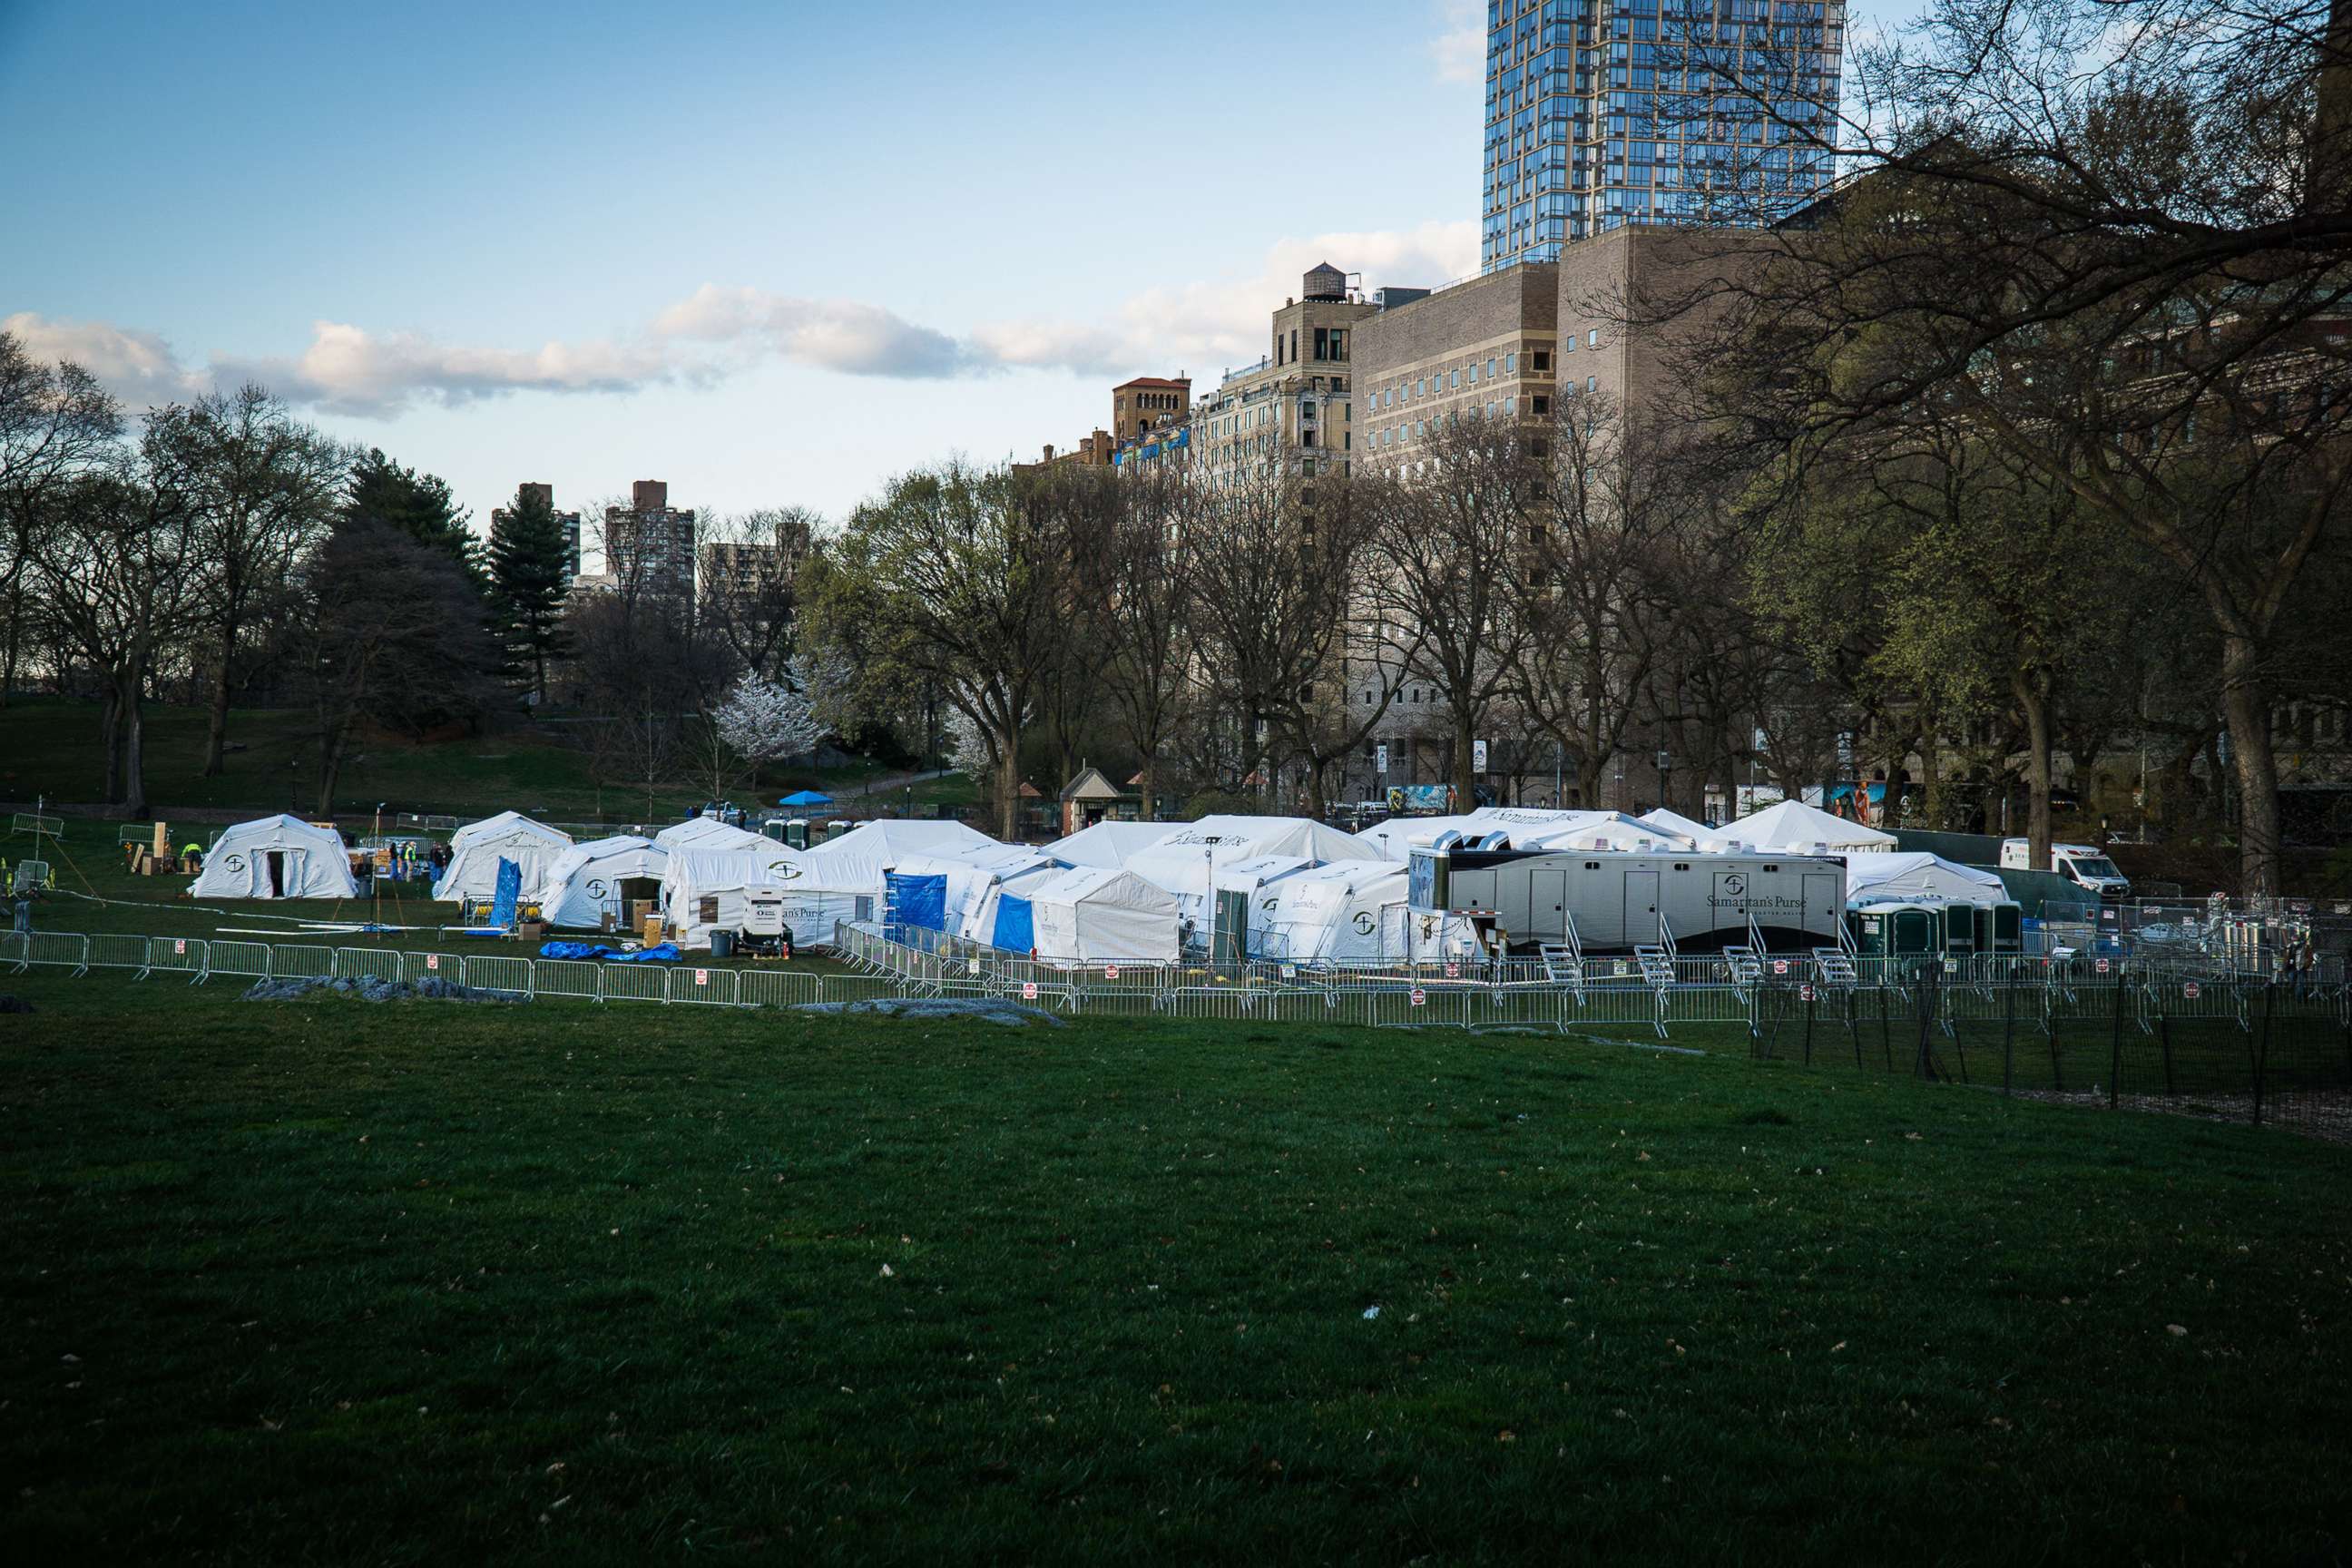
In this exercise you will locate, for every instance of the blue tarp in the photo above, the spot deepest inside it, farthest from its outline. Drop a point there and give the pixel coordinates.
(920, 901)
(1015, 932)
(666, 952)
(807, 797)
(502, 902)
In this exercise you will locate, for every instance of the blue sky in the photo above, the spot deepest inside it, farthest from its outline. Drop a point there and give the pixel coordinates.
(768, 253)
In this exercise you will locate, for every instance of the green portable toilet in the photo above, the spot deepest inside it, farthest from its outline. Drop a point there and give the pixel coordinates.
(1895, 929)
(2008, 919)
(1960, 930)
(796, 834)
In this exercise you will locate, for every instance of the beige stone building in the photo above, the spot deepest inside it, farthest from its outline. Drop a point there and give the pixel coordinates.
(650, 544)
(1297, 404)
(1149, 404)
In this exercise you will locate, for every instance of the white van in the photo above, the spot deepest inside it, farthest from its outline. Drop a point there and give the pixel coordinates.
(2087, 867)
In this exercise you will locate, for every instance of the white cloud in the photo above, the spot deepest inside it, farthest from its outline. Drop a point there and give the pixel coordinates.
(717, 331)
(1459, 52)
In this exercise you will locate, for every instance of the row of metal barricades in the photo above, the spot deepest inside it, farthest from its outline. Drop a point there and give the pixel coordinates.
(197, 960)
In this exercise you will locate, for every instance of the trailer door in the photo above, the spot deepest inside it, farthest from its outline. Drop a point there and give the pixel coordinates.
(1824, 895)
(1547, 906)
(1641, 908)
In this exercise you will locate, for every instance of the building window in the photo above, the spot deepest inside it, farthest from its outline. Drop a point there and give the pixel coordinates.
(1340, 344)
(1592, 338)
(1542, 405)
(1542, 361)
(1510, 364)
(1569, 347)
(1591, 383)
(1322, 344)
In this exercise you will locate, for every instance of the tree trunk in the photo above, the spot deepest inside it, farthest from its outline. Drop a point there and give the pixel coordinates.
(216, 731)
(2245, 702)
(1008, 782)
(110, 722)
(16, 628)
(2032, 690)
(1150, 787)
(134, 759)
(1466, 779)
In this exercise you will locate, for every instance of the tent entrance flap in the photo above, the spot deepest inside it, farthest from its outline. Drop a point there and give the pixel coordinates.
(919, 901)
(1016, 930)
(277, 862)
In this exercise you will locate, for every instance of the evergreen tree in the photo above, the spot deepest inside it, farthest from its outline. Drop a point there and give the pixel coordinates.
(528, 556)
(419, 505)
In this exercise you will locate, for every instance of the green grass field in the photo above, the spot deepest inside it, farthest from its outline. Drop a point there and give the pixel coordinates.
(53, 748)
(428, 1282)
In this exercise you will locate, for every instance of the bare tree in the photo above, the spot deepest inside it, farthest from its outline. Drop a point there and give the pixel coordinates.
(1137, 583)
(56, 424)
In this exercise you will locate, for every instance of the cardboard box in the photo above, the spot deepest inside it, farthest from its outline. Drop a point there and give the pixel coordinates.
(532, 931)
(651, 933)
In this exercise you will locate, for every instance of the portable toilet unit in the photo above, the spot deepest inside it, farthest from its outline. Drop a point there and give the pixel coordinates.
(1959, 922)
(1897, 930)
(2000, 928)
(796, 833)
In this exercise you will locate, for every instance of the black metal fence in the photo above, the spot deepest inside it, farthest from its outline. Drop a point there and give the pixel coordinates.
(2232, 1050)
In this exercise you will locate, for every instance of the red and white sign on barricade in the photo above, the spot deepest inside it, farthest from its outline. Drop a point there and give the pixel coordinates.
(1028, 990)
(1110, 971)
(1804, 992)
(1452, 972)
(179, 948)
(2189, 991)
(1780, 966)
(702, 977)
(432, 960)
(2101, 966)
(1418, 996)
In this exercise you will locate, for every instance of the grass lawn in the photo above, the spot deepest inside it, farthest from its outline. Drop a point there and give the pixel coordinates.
(430, 1282)
(52, 748)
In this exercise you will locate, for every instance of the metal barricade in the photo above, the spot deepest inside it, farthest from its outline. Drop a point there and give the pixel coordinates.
(481, 972)
(776, 987)
(237, 958)
(416, 966)
(633, 983)
(712, 987)
(580, 980)
(11, 951)
(366, 963)
(62, 949)
(185, 955)
(109, 950)
(301, 962)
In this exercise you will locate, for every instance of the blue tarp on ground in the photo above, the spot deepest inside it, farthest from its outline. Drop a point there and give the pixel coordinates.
(1015, 931)
(665, 952)
(919, 902)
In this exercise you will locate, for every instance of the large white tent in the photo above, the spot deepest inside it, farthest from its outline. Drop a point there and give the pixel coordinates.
(1920, 877)
(594, 879)
(1178, 862)
(277, 857)
(1091, 914)
(1399, 837)
(475, 850)
(1108, 843)
(861, 858)
(1792, 827)
(690, 877)
(1609, 830)
(1676, 822)
(944, 893)
(979, 916)
(707, 834)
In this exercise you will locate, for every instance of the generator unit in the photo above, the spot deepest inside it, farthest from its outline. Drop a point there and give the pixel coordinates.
(1622, 900)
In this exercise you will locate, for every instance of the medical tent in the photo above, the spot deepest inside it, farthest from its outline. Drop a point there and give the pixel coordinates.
(1611, 830)
(941, 893)
(1091, 914)
(1351, 912)
(1919, 878)
(475, 850)
(1792, 827)
(277, 857)
(1108, 843)
(860, 859)
(601, 878)
(1178, 862)
(707, 833)
(980, 918)
(692, 875)
(1399, 837)
(1676, 823)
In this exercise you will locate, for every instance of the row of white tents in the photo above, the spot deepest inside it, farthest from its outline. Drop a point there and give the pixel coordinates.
(1116, 891)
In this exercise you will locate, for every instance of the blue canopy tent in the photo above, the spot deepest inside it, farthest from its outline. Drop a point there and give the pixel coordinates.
(807, 797)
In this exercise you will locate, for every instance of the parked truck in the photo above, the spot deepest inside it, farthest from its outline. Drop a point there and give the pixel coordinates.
(2080, 864)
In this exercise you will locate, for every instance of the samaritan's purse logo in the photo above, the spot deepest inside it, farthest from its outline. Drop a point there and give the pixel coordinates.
(1363, 923)
(599, 888)
(1734, 885)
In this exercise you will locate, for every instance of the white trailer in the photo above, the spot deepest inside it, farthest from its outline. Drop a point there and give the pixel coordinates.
(1619, 901)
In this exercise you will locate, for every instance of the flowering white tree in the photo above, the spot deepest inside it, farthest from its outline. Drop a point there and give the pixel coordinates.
(760, 721)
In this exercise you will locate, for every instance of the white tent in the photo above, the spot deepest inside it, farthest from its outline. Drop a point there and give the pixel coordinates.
(475, 850)
(1918, 877)
(1108, 843)
(966, 881)
(1093, 914)
(691, 877)
(708, 832)
(1399, 837)
(276, 857)
(860, 859)
(1178, 862)
(979, 916)
(1608, 830)
(599, 877)
(1347, 912)
(1792, 827)
(1676, 822)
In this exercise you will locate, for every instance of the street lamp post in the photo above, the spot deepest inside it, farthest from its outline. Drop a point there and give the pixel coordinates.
(1665, 777)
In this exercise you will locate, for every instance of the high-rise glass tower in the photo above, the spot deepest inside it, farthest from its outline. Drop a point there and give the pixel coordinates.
(1602, 112)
